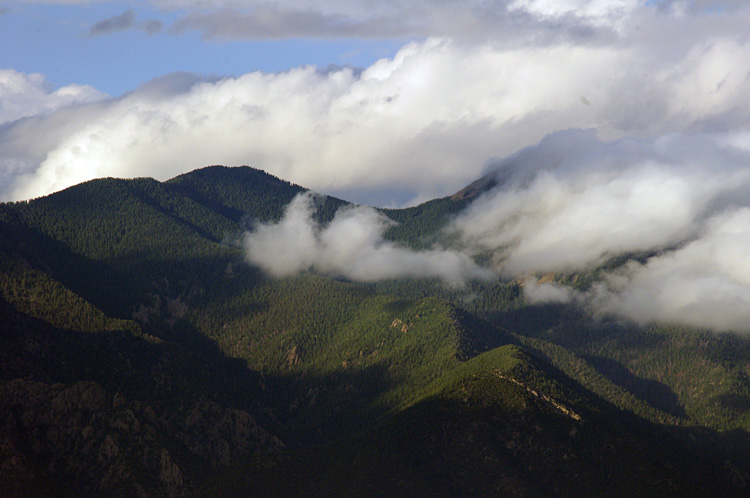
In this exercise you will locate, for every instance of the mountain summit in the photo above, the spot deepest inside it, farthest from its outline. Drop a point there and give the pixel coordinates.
(143, 355)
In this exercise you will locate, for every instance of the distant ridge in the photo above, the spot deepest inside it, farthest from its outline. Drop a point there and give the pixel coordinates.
(475, 188)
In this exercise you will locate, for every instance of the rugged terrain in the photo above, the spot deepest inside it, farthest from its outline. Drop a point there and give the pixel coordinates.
(140, 355)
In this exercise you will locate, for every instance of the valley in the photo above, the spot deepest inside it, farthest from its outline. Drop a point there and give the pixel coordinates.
(142, 355)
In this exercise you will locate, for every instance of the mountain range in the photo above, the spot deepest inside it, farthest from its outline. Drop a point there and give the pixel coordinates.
(143, 354)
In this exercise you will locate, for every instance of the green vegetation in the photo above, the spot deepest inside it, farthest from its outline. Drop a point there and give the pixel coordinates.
(139, 352)
(421, 226)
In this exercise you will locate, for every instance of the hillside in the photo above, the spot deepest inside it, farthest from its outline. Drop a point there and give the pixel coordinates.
(142, 356)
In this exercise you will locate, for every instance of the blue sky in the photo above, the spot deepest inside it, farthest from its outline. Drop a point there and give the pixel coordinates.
(55, 40)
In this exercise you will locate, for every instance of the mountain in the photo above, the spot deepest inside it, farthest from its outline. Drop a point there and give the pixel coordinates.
(141, 355)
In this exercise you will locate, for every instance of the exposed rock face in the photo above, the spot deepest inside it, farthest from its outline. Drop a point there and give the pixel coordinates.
(85, 441)
(220, 435)
(83, 435)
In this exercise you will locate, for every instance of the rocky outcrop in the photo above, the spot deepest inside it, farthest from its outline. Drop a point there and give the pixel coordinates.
(221, 436)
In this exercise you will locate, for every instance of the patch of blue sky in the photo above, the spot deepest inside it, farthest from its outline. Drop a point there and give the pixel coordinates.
(55, 40)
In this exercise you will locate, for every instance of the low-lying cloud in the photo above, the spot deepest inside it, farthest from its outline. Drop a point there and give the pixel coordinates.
(574, 202)
(351, 246)
(705, 283)
(536, 291)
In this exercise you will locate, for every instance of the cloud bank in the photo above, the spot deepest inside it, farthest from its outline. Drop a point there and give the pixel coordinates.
(422, 123)
(469, 20)
(706, 283)
(574, 201)
(351, 246)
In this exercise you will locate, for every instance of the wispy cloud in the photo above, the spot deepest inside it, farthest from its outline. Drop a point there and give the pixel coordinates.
(152, 27)
(351, 246)
(274, 23)
(126, 20)
(472, 20)
(121, 22)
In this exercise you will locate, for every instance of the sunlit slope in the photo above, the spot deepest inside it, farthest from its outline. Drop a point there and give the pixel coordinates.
(668, 374)
(342, 354)
(696, 376)
(501, 424)
(118, 241)
(138, 290)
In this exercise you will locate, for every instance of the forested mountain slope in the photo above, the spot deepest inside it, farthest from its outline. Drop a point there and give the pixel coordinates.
(141, 355)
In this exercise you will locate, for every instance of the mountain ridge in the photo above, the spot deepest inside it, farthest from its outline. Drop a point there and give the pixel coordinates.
(142, 355)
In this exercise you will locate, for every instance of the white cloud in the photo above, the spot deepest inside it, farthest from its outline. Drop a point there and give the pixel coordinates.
(422, 123)
(352, 246)
(23, 95)
(706, 283)
(546, 292)
(574, 201)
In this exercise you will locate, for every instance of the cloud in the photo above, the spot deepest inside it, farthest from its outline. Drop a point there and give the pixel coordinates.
(702, 6)
(23, 95)
(516, 21)
(122, 22)
(574, 201)
(706, 283)
(117, 23)
(152, 27)
(268, 22)
(546, 292)
(600, 10)
(351, 246)
(422, 123)
(30, 96)
(513, 22)
(472, 20)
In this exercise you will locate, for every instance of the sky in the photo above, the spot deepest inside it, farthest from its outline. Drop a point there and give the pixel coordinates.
(384, 103)
(612, 127)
